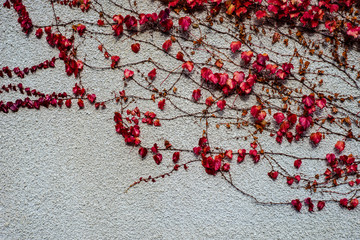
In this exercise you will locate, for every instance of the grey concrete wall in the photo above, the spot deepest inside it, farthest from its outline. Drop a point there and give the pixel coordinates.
(64, 171)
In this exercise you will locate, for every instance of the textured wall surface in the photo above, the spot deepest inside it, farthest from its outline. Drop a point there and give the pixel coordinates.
(63, 173)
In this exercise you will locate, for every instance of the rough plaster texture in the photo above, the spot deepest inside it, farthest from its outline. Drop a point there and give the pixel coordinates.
(64, 172)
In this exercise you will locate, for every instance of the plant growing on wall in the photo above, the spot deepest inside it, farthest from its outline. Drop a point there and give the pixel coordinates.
(249, 74)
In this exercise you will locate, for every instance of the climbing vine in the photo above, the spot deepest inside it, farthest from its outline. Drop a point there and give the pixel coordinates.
(274, 83)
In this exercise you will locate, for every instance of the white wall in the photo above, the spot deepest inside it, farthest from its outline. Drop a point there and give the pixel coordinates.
(64, 171)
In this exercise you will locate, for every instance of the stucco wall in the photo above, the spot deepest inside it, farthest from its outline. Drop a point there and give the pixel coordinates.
(64, 172)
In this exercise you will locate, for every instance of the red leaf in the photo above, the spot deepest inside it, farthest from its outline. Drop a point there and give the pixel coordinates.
(344, 202)
(316, 137)
(188, 65)
(196, 94)
(353, 203)
(260, 14)
(185, 22)
(320, 205)
(234, 46)
(246, 56)
(273, 174)
(176, 157)
(91, 97)
(135, 47)
(221, 104)
(80, 29)
(161, 104)
(289, 180)
(226, 167)
(68, 103)
(39, 32)
(279, 117)
(229, 154)
(297, 163)
(340, 145)
(167, 44)
(296, 204)
(80, 103)
(321, 103)
(128, 73)
(154, 148)
(209, 101)
(114, 61)
(180, 56)
(152, 74)
(241, 156)
(143, 152)
(158, 158)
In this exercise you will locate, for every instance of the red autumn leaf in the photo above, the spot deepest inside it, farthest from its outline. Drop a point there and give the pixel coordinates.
(292, 118)
(260, 14)
(234, 46)
(197, 150)
(128, 73)
(143, 152)
(261, 116)
(289, 180)
(196, 94)
(219, 63)
(340, 145)
(221, 104)
(279, 117)
(114, 61)
(180, 56)
(209, 101)
(230, 9)
(185, 22)
(173, 3)
(321, 103)
(273, 174)
(161, 104)
(320, 205)
(39, 32)
(305, 122)
(255, 110)
(80, 29)
(100, 22)
(344, 202)
(135, 47)
(296, 204)
(241, 157)
(91, 97)
(118, 19)
(308, 101)
(246, 56)
(297, 163)
(154, 148)
(308, 202)
(152, 74)
(166, 45)
(80, 103)
(166, 24)
(226, 167)
(157, 123)
(188, 65)
(68, 103)
(229, 154)
(158, 158)
(316, 137)
(176, 157)
(353, 203)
